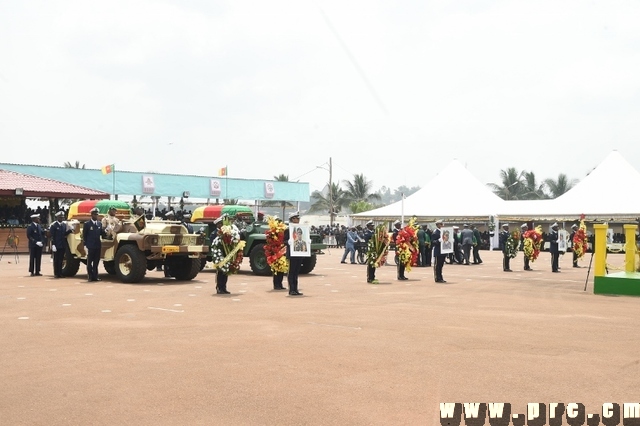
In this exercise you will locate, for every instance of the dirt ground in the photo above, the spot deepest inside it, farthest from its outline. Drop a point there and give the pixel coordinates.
(346, 353)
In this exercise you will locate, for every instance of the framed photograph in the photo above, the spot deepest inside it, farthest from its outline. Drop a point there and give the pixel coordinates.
(299, 240)
(563, 236)
(446, 240)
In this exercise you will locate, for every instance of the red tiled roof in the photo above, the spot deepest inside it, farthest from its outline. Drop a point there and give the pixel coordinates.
(34, 186)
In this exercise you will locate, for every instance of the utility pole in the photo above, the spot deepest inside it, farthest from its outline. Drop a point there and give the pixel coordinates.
(330, 194)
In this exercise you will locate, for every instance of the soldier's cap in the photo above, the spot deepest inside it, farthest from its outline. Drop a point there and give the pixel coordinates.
(170, 213)
(186, 216)
(369, 223)
(112, 208)
(455, 227)
(220, 219)
(275, 217)
(397, 222)
(439, 221)
(574, 226)
(505, 225)
(95, 210)
(466, 225)
(60, 213)
(555, 225)
(524, 225)
(294, 214)
(35, 216)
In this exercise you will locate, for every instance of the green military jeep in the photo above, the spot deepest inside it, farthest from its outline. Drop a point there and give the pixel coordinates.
(255, 237)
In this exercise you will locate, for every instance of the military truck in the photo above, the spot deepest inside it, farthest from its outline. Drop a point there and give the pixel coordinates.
(139, 246)
(255, 237)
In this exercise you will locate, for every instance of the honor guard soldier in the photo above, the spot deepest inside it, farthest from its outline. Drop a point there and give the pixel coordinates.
(295, 262)
(111, 224)
(397, 226)
(59, 231)
(35, 234)
(91, 234)
(502, 240)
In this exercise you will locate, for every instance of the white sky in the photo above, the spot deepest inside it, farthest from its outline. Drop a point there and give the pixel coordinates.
(391, 89)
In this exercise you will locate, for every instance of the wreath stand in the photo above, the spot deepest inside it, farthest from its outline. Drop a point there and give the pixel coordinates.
(12, 243)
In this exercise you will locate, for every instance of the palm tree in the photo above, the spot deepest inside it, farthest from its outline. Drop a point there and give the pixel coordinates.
(560, 186)
(322, 202)
(280, 203)
(68, 165)
(360, 190)
(533, 190)
(512, 188)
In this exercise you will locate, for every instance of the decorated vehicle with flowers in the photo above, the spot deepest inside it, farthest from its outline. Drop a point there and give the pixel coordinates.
(255, 237)
(138, 246)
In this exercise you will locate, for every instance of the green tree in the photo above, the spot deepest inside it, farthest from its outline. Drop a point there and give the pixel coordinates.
(512, 185)
(559, 186)
(360, 190)
(532, 189)
(321, 201)
(280, 203)
(360, 206)
(68, 165)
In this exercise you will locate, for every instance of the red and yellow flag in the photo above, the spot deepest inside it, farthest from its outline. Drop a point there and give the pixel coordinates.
(108, 169)
(222, 171)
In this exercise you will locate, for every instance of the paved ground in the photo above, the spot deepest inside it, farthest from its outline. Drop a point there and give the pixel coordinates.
(347, 353)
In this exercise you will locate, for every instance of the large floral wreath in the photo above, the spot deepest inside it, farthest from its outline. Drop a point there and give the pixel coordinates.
(580, 239)
(275, 248)
(226, 249)
(407, 245)
(532, 242)
(511, 246)
(378, 247)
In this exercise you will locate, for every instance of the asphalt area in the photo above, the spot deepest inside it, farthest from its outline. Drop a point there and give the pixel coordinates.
(346, 353)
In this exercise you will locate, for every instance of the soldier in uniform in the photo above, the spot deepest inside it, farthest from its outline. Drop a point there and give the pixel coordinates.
(371, 270)
(221, 277)
(59, 232)
(574, 229)
(476, 246)
(111, 224)
(35, 234)
(185, 222)
(91, 234)
(438, 257)
(397, 226)
(553, 248)
(502, 240)
(295, 262)
(524, 228)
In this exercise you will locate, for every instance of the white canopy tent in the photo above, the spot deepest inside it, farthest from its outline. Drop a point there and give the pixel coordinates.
(454, 193)
(608, 192)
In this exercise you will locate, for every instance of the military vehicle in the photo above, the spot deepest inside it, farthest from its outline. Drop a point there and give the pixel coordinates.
(139, 246)
(254, 235)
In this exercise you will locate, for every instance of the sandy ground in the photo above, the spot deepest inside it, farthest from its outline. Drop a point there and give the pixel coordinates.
(346, 353)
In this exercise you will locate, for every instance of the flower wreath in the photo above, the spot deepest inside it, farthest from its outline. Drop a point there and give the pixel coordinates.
(511, 246)
(580, 239)
(407, 245)
(378, 247)
(532, 243)
(275, 248)
(226, 249)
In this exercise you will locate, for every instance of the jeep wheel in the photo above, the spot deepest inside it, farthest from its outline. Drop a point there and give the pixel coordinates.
(110, 267)
(258, 260)
(308, 263)
(130, 264)
(203, 263)
(70, 265)
(185, 269)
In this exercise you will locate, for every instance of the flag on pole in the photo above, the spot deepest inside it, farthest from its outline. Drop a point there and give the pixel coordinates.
(108, 169)
(222, 171)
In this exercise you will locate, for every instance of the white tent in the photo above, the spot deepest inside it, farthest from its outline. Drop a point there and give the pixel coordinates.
(608, 192)
(452, 193)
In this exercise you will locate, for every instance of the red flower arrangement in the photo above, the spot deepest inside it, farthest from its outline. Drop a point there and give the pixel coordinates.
(275, 248)
(532, 243)
(407, 245)
(580, 239)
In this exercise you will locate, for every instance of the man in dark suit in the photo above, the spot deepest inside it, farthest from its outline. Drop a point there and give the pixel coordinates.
(438, 258)
(35, 234)
(59, 234)
(295, 262)
(476, 246)
(91, 234)
(553, 248)
(502, 240)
